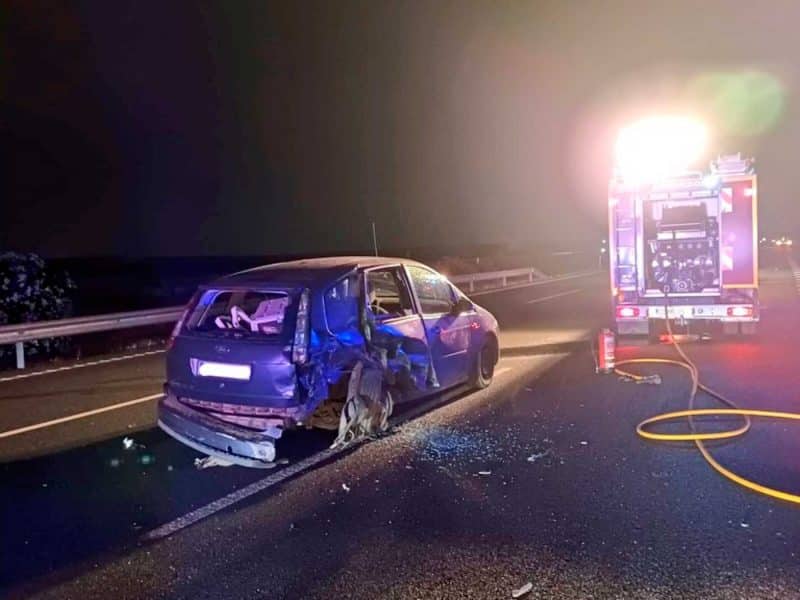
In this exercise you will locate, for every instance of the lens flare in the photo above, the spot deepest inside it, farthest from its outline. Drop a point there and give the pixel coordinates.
(743, 103)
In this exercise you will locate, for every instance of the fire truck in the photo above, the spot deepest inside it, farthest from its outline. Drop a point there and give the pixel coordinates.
(685, 248)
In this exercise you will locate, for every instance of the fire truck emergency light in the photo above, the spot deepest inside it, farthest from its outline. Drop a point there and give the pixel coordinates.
(658, 147)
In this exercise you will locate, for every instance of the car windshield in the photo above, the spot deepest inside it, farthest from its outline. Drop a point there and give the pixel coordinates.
(239, 313)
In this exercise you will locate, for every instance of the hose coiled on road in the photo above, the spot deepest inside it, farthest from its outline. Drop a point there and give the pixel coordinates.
(699, 437)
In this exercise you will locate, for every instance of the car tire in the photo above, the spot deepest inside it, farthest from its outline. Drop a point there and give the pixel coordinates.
(654, 329)
(483, 365)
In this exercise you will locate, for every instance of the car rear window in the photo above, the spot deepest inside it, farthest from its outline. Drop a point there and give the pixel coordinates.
(239, 313)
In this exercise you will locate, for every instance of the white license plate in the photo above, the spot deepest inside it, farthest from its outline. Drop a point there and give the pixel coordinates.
(205, 368)
(675, 312)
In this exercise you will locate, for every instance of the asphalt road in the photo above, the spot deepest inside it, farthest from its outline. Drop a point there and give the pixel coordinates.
(541, 478)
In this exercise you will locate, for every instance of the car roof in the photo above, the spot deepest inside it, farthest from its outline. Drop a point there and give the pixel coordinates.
(309, 271)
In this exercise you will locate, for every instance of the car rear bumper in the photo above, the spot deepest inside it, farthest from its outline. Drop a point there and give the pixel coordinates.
(214, 437)
(731, 313)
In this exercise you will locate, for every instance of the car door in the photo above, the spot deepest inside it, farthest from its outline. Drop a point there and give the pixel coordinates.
(395, 325)
(448, 334)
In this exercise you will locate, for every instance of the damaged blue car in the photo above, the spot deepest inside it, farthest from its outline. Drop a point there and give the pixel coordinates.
(333, 343)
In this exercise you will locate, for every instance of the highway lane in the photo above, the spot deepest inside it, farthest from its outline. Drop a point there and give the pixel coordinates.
(74, 494)
(540, 479)
(26, 402)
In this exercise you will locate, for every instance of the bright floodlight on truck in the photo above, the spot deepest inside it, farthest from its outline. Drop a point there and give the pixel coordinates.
(658, 147)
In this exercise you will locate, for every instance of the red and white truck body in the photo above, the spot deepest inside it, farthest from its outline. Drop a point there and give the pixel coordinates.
(686, 248)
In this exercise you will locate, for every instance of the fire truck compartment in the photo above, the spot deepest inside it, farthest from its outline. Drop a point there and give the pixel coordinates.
(681, 247)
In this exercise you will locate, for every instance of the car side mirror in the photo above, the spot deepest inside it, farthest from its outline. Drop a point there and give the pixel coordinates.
(461, 305)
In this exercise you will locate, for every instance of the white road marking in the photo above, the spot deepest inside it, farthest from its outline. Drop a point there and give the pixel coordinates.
(74, 417)
(259, 486)
(93, 363)
(553, 296)
(217, 505)
(554, 352)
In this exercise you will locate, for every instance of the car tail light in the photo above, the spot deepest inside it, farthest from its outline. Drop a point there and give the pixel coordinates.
(627, 312)
(177, 329)
(740, 311)
(300, 346)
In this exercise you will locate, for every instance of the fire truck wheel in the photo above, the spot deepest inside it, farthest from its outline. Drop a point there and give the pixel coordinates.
(748, 328)
(655, 327)
(730, 328)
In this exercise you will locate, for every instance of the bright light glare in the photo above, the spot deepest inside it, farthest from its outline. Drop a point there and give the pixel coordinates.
(627, 311)
(740, 311)
(655, 148)
(225, 370)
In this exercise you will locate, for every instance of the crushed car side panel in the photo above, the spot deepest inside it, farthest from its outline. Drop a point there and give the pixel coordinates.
(351, 335)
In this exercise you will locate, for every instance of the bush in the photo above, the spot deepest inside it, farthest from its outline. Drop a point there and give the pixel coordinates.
(31, 292)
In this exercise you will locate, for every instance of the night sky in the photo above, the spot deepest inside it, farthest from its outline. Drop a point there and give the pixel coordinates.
(190, 128)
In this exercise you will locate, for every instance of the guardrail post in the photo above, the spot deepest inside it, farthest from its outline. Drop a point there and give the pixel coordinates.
(471, 285)
(530, 276)
(20, 347)
(505, 281)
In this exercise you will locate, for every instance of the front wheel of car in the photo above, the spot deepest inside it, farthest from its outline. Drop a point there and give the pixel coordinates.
(483, 366)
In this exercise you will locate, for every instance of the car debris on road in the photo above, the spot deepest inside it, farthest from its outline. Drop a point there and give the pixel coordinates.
(520, 592)
(209, 462)
(539, 455)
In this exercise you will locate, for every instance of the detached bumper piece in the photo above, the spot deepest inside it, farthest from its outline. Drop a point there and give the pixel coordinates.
(214, 437)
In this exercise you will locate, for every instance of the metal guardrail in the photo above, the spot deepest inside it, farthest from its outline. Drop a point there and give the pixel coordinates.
(28, 332)
(530, 273)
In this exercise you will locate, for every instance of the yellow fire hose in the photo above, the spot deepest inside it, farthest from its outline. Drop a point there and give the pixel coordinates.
(698, 437)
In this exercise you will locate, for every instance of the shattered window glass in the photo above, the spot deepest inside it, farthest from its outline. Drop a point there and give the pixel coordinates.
(387, 294)
(341, 305)
(433, 291)
(239, 313)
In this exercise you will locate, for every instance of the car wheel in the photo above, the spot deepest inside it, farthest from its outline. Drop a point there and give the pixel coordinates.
(483, 366)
